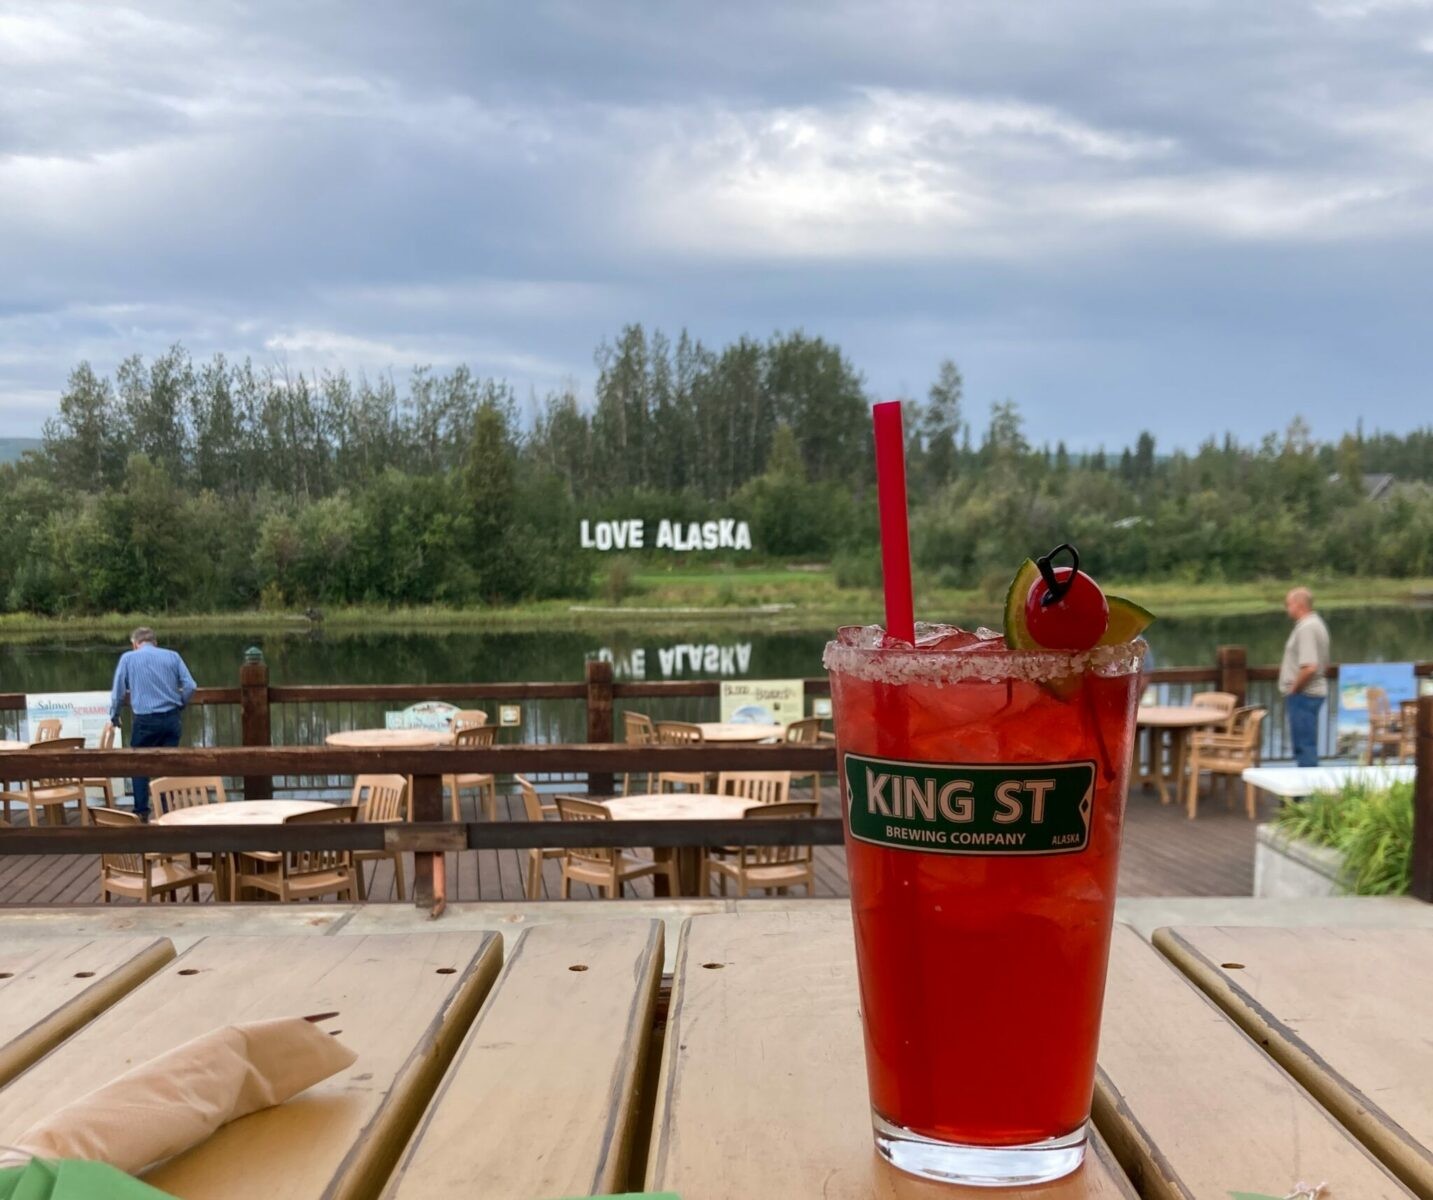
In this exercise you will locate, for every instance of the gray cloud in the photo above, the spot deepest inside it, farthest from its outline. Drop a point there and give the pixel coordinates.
(1192, 216)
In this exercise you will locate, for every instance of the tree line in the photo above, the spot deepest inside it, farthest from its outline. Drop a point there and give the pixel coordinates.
(175, 485)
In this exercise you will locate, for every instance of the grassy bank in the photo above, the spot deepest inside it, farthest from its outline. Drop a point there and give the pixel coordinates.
(700, 599)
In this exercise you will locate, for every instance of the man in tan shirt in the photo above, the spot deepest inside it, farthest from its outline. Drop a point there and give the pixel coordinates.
(1302, 677)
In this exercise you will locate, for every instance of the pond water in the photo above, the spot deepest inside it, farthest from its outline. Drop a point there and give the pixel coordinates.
(1358, 635)
(314, 657)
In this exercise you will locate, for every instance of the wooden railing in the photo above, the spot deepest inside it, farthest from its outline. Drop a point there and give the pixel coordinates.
(429, 835)
(268, 712)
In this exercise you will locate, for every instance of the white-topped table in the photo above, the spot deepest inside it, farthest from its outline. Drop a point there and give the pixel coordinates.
(389, 738)
(240, 812)
(739, 731)
(680, 806)
(1306, 781)
(236, 812)
(12, 744)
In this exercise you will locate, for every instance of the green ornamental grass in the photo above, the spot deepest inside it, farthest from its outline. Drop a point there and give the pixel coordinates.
(1372, 827)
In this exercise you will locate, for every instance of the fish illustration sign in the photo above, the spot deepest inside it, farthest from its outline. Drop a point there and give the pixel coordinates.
(725, 533)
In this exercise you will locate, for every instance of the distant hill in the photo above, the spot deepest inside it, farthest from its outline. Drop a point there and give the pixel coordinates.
(12, 448)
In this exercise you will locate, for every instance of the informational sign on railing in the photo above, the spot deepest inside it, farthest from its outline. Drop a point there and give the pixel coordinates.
(1354, 680)
(80, 714)
(762, 701)
(429, 714)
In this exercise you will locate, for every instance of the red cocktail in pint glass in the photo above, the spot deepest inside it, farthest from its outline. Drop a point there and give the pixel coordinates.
(983, 791)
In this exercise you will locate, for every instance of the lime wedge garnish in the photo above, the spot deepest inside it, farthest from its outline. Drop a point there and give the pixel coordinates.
(1127, 621)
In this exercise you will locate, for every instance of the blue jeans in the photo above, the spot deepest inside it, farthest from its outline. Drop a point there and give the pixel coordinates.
(152, 729)
(1303, 713)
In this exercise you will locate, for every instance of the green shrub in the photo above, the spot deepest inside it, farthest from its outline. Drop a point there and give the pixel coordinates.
(620, 581)
(1373, 828)
(857, 569)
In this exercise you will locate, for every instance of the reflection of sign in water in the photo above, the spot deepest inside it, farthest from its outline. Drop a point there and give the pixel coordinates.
(81, 714)
(428, 714)
(762, 701)
(1354, 680)
(683, 659)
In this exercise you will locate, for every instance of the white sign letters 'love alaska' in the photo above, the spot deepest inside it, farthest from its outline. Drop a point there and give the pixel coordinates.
(724, 534)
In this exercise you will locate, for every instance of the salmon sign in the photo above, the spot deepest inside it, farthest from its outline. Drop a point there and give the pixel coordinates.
(727, 533)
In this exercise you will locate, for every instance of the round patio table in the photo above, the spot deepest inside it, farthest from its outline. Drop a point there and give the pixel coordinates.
(680, 806)
(1177, 720)
(240, 812)
(389, 738)
(738, 731)
(236, 812)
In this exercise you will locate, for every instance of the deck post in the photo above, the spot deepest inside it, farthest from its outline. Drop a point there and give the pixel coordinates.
(599, 720)
(254, 717)
(1232, 664)
(429, 868)
(1422, 885)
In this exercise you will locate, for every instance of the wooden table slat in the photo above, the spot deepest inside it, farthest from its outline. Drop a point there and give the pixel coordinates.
(1195, 1110)
(1347, 1012)
(541, 1099)
(763, 1084)
(403, 1004)
(51, 988)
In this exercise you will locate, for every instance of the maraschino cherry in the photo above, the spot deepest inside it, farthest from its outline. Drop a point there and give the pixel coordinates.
(1065, 609)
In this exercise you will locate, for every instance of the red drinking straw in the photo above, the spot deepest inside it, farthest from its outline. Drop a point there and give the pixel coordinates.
(895, 536)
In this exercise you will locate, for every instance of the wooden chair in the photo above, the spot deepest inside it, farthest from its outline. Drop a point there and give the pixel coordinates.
(304, 874)
(765, 787)
(487, 785)
(1224, 702)
(637, 730)
(106, 784)
(44, 793)
(1384, 735)
(806, 732)
(384, 799)
(171, 792)
(605, 867)
(1226, 754)
(535, 810)
(1408, 731)
(680, 733)
(46, 730)
(468, 718)
(768, 867)
(144, 876)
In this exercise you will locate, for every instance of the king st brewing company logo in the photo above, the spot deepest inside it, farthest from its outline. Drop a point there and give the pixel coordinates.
(957, 808)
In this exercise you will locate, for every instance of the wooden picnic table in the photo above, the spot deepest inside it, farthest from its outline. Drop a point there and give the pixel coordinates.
(679, 806)
(1176, 720)
(403, 1004)
(1345, 1012)
(51, 987)
(1232, 1061)
(739, 731)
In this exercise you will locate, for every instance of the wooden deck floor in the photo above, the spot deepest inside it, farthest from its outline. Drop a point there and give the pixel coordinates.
(1164, 855)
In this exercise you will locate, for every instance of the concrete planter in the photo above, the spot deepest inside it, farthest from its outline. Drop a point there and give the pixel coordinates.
(1287, 868)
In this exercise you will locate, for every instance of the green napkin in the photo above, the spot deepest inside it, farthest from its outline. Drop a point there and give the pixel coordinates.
(73, 1179)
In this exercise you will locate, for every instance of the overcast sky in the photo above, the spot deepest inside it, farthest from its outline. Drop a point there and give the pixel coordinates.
(1118, 213)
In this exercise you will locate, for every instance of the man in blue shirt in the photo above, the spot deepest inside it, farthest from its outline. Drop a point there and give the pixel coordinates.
(159, 686)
